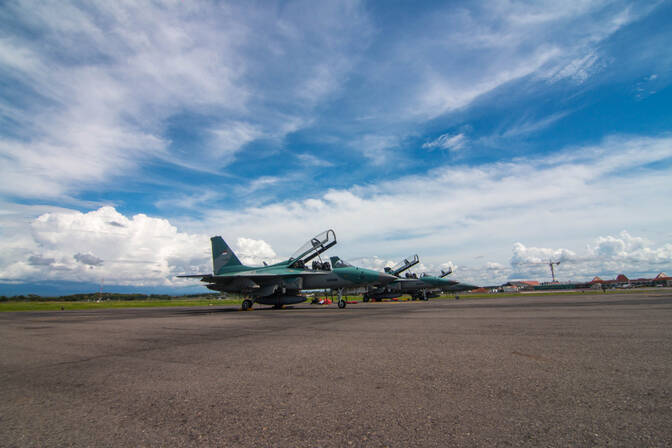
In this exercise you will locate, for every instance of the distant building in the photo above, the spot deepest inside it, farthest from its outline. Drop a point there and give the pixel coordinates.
(621, 281)
(516, 286)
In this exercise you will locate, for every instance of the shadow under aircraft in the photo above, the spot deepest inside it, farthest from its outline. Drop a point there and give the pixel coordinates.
(281, 283)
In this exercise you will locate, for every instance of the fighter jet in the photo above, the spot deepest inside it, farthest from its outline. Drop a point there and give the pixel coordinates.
(280, 284)
(419, 288)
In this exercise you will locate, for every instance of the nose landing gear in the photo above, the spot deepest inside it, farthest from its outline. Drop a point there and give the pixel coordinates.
(341, 300)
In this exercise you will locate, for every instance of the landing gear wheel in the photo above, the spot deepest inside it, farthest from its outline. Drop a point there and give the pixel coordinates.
(341, 304)
(247, 304)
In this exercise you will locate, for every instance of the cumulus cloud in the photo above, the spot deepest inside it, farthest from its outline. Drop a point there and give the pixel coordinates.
(255, 252)
(518, 214)
(88, 259)
(375, 263)
(539, 255)
(566, 198)
(605, 256)
(141, 250)
(38, 260)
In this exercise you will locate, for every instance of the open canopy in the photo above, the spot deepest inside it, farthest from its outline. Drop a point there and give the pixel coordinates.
(314, 247)
(403, 265)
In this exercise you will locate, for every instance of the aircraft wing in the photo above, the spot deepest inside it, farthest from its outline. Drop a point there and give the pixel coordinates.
(249, 274)
(264, 275)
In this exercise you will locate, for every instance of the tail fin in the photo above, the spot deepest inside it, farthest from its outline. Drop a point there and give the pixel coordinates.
(222, 255)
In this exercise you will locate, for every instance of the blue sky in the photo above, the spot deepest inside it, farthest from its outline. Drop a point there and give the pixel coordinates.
(489, 137)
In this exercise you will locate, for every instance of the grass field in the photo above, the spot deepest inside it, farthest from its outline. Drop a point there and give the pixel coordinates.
(55, 306)
(89, 305)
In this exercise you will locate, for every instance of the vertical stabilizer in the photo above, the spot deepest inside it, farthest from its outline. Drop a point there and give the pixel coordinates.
(222, 255)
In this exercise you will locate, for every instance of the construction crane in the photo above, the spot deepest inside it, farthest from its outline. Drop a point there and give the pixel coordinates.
(551, 263)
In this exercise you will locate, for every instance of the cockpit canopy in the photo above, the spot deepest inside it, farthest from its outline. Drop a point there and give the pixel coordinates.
(338, 263)
(313, 247)
(403, 265)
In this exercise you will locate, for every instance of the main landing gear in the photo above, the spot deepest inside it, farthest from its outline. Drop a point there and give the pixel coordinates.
(247, 305)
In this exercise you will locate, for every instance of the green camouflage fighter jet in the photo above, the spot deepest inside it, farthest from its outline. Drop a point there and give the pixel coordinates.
(419, 288)
(281, 283)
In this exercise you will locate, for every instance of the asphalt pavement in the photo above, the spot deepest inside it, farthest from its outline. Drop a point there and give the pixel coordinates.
(587, 370)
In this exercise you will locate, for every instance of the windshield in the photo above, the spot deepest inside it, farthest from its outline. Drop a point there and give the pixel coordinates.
(315, 246)
(341, 264)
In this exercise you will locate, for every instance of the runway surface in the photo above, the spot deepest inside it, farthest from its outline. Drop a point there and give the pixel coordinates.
(589, 370)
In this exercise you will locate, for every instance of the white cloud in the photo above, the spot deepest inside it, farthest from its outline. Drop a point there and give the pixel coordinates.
(538, 255)
(88, 259)
(255, 252)
(375, 263)
(452, 212)
(607, 256)
(69, 245)
(230, 138)
(579, 69)
(38, 260)
(448, 141)
(476, 50)
(439, 94)
(377, 148)
(106, 81)
(527, 125)
(313, 161)
(106, 245)
(462, 212)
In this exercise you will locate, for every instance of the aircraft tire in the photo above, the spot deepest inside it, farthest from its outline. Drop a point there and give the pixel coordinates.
(341, 304)
(247, 305)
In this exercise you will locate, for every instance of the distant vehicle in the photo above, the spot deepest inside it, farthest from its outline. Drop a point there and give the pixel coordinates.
(281, 283)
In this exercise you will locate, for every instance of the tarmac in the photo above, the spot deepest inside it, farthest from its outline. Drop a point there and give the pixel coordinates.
(586, 370)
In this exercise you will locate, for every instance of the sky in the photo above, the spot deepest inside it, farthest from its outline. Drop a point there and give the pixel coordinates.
(490, 137)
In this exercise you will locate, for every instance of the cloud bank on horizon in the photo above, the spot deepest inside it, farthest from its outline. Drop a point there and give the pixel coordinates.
(485, 137)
